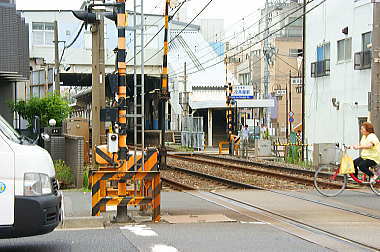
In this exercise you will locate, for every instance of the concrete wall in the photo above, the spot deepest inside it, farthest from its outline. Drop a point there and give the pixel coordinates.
(74, 157)
(324, 123)
(79, 54)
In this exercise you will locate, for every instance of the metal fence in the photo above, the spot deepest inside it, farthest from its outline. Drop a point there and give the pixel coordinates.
(192, 134)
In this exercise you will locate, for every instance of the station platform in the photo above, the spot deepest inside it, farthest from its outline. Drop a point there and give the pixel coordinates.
(249, 220)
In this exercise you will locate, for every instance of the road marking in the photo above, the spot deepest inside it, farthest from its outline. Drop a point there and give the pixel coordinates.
(163, 248)
(253, 222)
(77, 229)
(140, 230)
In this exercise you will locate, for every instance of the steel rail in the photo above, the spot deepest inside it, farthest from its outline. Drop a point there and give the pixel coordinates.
(300, 224)
(216, 178)
(177, 185)
(309, 181)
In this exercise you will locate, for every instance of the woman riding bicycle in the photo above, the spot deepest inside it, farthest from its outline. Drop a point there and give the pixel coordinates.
(370, 155)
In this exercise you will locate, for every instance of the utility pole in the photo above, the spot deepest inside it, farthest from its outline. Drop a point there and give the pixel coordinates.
(56, 59)
(98, 82)
(165, 96)
(375, 78)
(290, 97)
(266, 59)
(186, 94)
(287, 114)
(303, 78)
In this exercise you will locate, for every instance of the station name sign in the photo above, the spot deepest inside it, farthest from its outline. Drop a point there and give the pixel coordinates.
(242, 92)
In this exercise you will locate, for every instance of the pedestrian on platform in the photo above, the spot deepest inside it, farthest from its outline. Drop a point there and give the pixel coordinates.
(245, 137)
(370, 155)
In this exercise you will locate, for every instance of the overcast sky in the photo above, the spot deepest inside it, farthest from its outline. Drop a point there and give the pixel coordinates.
(231, 12)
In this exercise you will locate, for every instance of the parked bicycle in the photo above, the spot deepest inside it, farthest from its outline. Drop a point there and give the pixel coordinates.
(338, 182)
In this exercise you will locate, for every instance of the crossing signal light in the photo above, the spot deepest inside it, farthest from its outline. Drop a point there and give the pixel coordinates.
(87, 17)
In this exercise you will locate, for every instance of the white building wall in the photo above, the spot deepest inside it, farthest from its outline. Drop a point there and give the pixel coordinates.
(79, 55)
(324, 123)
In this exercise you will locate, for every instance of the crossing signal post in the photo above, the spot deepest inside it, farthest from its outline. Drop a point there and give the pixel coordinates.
(122, 178)
(230, 128)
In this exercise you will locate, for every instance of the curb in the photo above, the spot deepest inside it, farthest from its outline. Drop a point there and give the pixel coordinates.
(83, 222)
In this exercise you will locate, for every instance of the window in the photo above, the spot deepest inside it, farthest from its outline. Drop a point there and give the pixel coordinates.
(295, 52)
(366, 41)
(344, 49)
(43, 33)
(297, 21)
(321, 67)
(323, 52)
(8, 130)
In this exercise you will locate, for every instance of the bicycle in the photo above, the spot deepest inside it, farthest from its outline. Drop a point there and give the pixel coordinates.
(326, 177)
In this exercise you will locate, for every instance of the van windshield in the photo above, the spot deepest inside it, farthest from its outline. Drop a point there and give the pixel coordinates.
(9, 131)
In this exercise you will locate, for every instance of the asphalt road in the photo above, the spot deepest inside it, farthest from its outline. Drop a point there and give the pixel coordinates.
(233, 236)
(70, 241)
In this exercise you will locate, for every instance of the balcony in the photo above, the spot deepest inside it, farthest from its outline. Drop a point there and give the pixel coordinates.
(362, 60)
(320, 68)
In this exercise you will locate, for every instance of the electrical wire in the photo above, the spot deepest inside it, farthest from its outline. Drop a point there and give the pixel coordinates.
(278, 57)
(231, 37)
(150, 41)
(200, 12)
(250, 46)
(72, 42)
(259, 33)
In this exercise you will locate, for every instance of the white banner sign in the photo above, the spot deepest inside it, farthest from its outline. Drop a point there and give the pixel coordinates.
(296, 80)
(242, 92)
(280, 92)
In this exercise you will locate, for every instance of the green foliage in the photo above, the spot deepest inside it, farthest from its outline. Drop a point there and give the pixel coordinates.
(85, 176)
(63, 173)
(293, 156)
(46, 108)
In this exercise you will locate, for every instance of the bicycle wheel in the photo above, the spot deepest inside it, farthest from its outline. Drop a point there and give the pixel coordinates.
(376, 187)
(328, 182)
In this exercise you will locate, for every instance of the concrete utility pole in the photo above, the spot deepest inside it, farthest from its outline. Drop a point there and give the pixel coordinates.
(303, 77)
(98, 81)
(266, 60)
(56, 58)
(375, 80)
(185, 93)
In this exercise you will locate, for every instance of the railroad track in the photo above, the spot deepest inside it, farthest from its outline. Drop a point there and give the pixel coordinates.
(308, 231)
(214, 182)
(295, 175)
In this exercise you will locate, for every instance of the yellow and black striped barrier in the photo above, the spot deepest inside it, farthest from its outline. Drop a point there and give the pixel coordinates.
(141, 187)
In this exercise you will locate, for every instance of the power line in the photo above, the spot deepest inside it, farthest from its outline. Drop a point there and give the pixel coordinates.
(181, 30)
(271, 34)
(236, 34)
(241, 44)
(278, 57)
(150, 41)
(72, 43)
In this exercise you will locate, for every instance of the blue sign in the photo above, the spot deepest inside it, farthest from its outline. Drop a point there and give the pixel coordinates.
(242, 92)
(2, 187)
(291, 119)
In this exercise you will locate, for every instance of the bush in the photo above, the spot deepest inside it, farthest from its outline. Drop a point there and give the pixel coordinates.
(85, 177)
(63, 173)
(46, 108)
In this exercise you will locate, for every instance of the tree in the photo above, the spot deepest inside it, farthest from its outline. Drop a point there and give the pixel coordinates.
(46, 108)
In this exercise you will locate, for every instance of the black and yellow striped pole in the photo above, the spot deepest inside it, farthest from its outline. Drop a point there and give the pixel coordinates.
(122, 102)
(228, 87)
(164, 86)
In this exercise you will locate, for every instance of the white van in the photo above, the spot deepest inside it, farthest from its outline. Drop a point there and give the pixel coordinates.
(30, 203)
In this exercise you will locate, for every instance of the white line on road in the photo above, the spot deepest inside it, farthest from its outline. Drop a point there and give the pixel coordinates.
(140, 230)
(163, 248)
